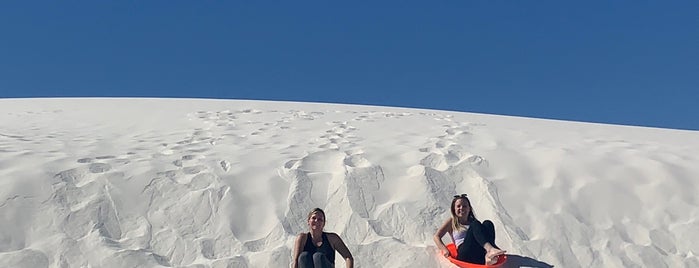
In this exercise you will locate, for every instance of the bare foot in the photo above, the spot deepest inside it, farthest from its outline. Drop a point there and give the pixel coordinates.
(491, 257)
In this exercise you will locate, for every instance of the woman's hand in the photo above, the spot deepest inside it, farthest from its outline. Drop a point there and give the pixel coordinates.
(446, 253)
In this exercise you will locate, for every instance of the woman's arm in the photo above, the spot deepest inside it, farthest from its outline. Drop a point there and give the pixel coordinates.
(444, 229)
(298, 247)
(337, 244)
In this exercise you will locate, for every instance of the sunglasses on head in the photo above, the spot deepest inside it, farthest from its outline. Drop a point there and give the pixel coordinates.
(460, 195)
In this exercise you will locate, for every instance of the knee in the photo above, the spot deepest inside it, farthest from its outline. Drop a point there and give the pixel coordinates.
(303, 255)
(476, 224)
(318, 256)
(488, 226)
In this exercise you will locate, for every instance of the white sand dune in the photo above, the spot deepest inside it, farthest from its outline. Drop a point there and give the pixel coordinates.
(228, 183)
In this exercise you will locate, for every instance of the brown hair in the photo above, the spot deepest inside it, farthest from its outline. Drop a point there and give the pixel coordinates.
(315, 210)
(455, 225)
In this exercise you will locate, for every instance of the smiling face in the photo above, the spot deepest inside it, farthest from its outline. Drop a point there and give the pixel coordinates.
(316, 220)
(461, 208)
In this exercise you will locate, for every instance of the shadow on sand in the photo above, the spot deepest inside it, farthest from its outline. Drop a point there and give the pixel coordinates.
(516, 261)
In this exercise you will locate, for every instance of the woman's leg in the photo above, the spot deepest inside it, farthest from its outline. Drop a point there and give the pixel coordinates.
(486, 232)
(305, 260)
(470, 250)
(473, 249)
(492, 250)
(320, 261)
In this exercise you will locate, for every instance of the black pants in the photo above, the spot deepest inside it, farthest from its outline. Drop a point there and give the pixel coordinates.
(471, 250)
(315, 260)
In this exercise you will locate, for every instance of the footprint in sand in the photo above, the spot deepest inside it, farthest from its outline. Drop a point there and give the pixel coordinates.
(191, 157)
(357, 161)
(396, 115)
(168, 174)
(85, 160)
(448, 151)
(436, 161)
(365, 117)
(292, 164)
(82, 176)
(193, 169)
(202, 181)
(72, 176)
(225, 165)
(99, 167)
(338, 137)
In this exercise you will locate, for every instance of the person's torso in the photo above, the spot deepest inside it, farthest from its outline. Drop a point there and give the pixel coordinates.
(324, 248)
(459, 235)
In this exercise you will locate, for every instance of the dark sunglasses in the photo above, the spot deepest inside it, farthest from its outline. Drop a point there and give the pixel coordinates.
(460, 195)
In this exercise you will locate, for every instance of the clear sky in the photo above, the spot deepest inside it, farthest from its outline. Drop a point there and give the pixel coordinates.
(619, 62)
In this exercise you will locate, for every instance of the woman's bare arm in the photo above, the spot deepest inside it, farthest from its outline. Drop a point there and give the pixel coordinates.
(444, 229)
(298, 247)
(337, 243)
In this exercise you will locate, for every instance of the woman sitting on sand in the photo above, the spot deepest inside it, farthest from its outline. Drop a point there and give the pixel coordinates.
(475, 241)
(316, 249)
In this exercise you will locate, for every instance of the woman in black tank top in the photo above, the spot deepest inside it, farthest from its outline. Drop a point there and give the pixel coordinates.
(316, 249)
(324, 248)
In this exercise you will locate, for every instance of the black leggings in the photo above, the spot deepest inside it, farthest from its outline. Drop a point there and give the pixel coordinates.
(471, 250)
(316, 260)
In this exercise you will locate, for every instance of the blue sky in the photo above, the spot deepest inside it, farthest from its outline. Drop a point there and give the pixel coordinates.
(618, 62)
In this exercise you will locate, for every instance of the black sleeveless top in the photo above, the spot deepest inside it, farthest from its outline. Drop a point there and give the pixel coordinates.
(324, 248)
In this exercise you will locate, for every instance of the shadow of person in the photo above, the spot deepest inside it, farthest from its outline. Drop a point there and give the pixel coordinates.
(516, 261)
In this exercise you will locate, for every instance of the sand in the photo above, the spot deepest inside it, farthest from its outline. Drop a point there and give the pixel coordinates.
(96, 182)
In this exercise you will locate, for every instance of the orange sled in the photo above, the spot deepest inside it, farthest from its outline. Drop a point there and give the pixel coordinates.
(452, 252)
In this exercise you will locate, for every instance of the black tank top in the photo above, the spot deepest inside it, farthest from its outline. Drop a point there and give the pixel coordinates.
(324, 248)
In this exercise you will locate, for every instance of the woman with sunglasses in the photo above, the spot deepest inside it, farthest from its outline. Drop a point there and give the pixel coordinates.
(316, 249)
(475, 241)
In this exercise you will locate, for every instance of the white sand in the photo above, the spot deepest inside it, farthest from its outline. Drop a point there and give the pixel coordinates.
(224, 183)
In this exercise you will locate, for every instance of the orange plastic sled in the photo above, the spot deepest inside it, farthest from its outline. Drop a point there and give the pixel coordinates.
(452, 252)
